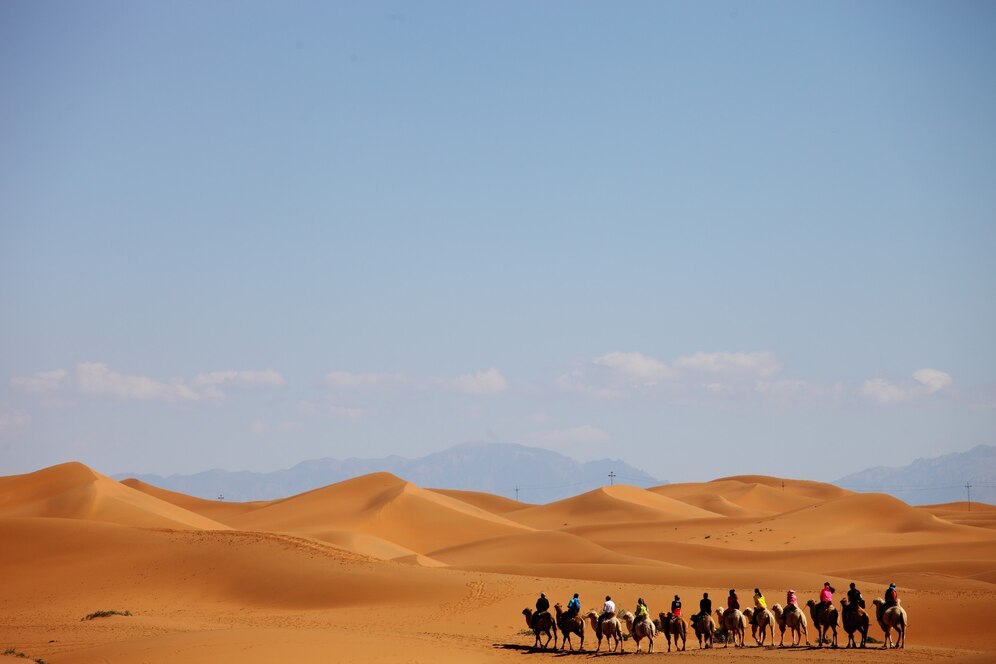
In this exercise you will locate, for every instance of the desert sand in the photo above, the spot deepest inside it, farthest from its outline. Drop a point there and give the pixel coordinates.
(376, 569)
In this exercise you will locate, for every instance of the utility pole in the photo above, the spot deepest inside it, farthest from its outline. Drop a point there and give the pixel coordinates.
(968, 488)
(516, 493)
(612, 477)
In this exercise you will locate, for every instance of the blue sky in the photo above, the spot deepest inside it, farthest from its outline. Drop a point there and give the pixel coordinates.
(706, 238)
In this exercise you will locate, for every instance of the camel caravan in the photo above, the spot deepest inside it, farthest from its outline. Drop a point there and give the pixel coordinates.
(730, 623)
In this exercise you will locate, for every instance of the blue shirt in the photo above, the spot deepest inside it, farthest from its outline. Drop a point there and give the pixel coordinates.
(575, 604)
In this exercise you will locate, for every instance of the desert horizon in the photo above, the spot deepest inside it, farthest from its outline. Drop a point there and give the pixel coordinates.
(375, 568)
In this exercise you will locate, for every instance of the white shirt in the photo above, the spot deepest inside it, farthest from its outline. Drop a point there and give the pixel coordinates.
(609, 607)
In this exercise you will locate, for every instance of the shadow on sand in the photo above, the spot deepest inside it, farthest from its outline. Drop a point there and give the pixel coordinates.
(529, 650)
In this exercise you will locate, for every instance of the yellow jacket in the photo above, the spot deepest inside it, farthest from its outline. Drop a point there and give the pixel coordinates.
(759, 601)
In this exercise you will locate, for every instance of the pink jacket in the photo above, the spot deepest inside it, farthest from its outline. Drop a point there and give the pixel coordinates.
(791, 599)
(826, 595)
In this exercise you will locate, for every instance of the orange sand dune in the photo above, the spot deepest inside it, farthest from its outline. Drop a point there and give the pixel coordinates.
(532, 548)
(610, 503)
(71, 490)
(382, 505)
(485, 501)
(752, 495)
(976, 514)
(218, 510)
(377, 569)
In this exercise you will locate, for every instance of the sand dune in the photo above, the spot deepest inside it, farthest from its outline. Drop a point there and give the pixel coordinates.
(485, 501)
(611, 503)
(71, 490)
(218, 510)
(384, 506)
(976, 514)
(320, 574)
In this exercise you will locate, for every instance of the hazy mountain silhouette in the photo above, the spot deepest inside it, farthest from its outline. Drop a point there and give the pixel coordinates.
(937, 480)
(541, 475)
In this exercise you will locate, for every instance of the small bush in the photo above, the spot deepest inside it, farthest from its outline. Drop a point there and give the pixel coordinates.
(872, 639)
(104, 614)
(10, 652)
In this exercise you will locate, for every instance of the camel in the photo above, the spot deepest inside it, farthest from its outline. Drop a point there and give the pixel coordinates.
(704, 627)
(764, 622)
(544, 625)
(642, 629)
(732, 622)
(823, 620)
(793, 618)
(568, 626)
(854, 620)
(892, 618)
(672, 625)
(611, 629)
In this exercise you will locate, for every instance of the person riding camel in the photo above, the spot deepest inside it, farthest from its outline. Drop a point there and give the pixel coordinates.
(791, 601)
(641, 613)
(573, 607)
(732, 602)
(891, 599)
(705, 608)
(542, 606)
(826, 597)
(608, 611)
(676, 606)
(759, 605)
(854, 599)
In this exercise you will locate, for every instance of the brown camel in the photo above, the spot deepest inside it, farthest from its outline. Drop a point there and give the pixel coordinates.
(732, 622)
(640, 629)
(543, 625)
(892, 618)
(704, 627)
(824, 619)
(611, 629)
(854, 619)
(673, 626)
(568, 626)
(793, 618)
(761, 622)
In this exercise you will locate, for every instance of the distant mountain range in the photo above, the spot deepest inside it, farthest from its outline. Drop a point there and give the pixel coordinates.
(541, 475)
(937, 480)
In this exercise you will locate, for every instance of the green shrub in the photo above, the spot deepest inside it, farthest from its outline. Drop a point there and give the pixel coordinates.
(104, 614)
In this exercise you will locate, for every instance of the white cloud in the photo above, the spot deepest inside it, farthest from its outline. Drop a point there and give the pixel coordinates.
(12, 420)
(925, 381)
(574, 382)
(636, 367)
(41, 382)
(490, 381)
(259, 426)
(328, 408)
(209, 384)
(96, 379)
(932, 379)
(758, 363)
(245, 379)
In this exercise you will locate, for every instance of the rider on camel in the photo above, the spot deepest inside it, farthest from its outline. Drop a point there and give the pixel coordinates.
(759, 605)
(573, 607)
